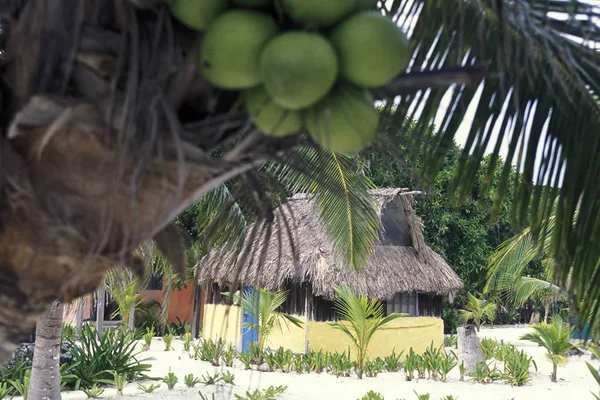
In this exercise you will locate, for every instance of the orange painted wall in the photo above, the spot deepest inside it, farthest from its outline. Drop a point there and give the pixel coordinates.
(182, 302)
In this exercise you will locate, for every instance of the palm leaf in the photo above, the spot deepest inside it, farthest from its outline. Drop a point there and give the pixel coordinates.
(527, 288)
(543, 77)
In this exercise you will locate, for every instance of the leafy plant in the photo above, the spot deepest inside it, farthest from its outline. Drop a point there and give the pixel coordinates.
(555, 338)
(187, 341)
(22, 387)
(488, 347)
(96, 357)
(483, 373)
(211, 351)
(371, 395)
(593, 371)
(271, 360)
(270, 393)
(148, 389)
(451, 341)
(299, 363)
(257, 353)
(393, 362)
(447, 362)
(170, 380)
(341, 363)
(92, 393)
(205, 397)
(262, 306)
(361, 319)
(148, 336)
(228, 377)
(119, 380)
(422, 396)
(5, 390)
(168, 340)
(516, 366)
(410, 365)
(282, 359)
(449, 397)
(432, 361)
(462, 370)
(190, 380)
(478, 310)
(229, 355)
(125, 295)
(246, 358)
(68, 332)
(208, 379)
(317, 361)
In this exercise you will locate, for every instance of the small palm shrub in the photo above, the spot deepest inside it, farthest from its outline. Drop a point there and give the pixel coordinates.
(393, 362)
(229, 355)
(447, 362)
(246, 358)
(410, 365)
(516, 366)
(299, 363)
(371, 395)
(228, 377)
(317, 361)
(187, 341)
(269, 393)
(488, 347)
(211, 351)
(484, 373)
(462, 370)
(425, 396)
(373, 368)
(170, 380)
(361, 318)
(92, 393)
(478, 311)
(451, 341)
(148, 336)
(190, 380)
(208, 379)
(168, 340)
(340, 363)
(148, 389)
(555, 338)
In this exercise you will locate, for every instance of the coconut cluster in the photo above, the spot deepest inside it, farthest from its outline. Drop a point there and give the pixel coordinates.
(312, 74)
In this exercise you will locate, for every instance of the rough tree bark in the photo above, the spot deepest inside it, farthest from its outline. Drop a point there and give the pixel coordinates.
(45, 372)
(469, 350)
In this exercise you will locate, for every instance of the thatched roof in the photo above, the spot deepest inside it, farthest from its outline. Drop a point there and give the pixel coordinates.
(401, 261)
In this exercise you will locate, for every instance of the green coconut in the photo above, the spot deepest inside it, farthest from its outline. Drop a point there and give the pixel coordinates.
(252, 3)
(269, 117)
(345, 121)
(197, 14)
(318, 12)
(371, 49)
(298, 69)
(229, 56)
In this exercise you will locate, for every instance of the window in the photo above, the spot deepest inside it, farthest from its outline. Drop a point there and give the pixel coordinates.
(406, 303)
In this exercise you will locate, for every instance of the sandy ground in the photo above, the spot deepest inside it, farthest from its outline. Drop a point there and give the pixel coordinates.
(575, 381)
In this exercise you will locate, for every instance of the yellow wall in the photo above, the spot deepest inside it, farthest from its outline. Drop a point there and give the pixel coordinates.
(221, 321)
(401, 334)
(293, 338)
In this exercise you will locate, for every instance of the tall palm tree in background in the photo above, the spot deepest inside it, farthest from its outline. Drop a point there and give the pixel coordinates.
(528, 70)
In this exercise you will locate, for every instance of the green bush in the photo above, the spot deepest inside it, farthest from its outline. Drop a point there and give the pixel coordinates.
(371, 395)
(393, 362)
(488, 347)
(516, 366)
(95, 359)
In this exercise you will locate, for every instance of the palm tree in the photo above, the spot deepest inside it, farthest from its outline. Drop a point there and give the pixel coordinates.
(175, 139)
(507, 269)
(263, 308)
(45, 375)
(478, 310)
(554, 337)
(361, 319)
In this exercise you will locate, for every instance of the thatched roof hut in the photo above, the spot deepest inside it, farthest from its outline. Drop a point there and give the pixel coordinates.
(400, 263)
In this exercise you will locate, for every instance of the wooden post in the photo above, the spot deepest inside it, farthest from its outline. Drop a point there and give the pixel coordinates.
(131, 323)
(196, 312)
(100, 308)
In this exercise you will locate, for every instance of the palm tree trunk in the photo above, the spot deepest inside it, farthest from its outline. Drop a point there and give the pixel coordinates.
(554, 368)
(45, 373)
(546, 310)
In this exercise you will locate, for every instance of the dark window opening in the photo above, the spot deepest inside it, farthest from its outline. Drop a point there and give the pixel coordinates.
(155, 283)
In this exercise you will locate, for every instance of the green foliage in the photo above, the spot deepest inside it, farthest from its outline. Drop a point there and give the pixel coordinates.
(371, 395)
(393, 362)
(119, 380)
(15, 371)
(283, 359)
(361, 319)
(555, 338)
(148, 336)
(5, 390)
(124, 292)
(270, 393)
(190, 380)
(209, 350)
(340, 363)
(208, 379)
(484, 373)
(229, 355)
(170, 380)
(451, 341)
(422, 396)
(410, 364)
(22, 387)
(68, 332)
(317, 361)
(593, 371)
(449, 397)
(205, 397)
(462, 369)
(187, 341)
(228, 377)
(299, 363)
(113, 351)
(168, 340)
(451, 319)
(246, 358)
(373, 368)
(446, 363)
(488, 347)
(271, 360)
(516, 366)
(150, 388)
(478, 311)
(262, 306)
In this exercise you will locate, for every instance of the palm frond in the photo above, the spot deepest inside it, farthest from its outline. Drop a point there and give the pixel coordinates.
(538, 106)
(527, 287)
(342, 198)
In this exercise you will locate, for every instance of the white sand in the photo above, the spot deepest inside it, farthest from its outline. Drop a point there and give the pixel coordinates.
(575, 381)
